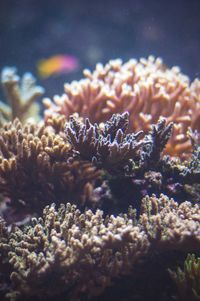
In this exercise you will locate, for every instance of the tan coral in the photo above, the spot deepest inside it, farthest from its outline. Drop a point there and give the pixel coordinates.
(146, 88)
(21, 96)
(35, 164)
(170, 225)
(83, 252)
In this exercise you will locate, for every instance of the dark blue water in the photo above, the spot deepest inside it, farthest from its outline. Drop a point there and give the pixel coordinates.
(96, 31)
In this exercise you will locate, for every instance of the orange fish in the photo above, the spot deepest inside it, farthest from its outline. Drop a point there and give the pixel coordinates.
(57, 64)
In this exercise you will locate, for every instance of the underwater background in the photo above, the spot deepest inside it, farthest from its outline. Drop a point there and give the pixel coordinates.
(97, 31)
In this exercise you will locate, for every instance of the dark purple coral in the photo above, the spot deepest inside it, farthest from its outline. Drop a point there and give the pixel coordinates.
(107, 145)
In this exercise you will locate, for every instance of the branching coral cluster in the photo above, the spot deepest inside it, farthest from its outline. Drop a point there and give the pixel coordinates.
(39, 164)
(110, 146)
(147, 89)
(36, 168)
(95, 165)
(132, 160)
(80, 253)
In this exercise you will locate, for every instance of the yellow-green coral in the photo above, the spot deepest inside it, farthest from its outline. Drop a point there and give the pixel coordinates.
(187, 280)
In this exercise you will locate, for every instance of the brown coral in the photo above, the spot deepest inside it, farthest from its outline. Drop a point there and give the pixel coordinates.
(147, 89)
(169, 225)
(39, 164)
(81, 253)
(35, 165)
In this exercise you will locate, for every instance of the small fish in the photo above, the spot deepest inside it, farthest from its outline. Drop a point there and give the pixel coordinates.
(56, 65)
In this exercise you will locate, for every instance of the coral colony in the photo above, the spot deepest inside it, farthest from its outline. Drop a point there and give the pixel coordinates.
(100, 199)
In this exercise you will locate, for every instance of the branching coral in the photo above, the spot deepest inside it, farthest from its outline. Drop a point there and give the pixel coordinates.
(145, 88)
(188, 280)
(39, 162)
(109, 146)
(136, 163)
(81, 253)
(156, 143)
(169, 225)
(73, 252)
(35, 165)
(21, 96)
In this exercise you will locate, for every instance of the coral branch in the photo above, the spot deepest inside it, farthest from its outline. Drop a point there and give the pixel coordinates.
(108, 146)
(21, 96)
(156, 142)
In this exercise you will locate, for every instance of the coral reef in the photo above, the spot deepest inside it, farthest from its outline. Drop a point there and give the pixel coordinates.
(80, 253)
(21, 96)
(147, 89)
(39, 164)
(97, 194)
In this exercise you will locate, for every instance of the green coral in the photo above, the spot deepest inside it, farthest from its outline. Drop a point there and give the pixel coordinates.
(187, 280)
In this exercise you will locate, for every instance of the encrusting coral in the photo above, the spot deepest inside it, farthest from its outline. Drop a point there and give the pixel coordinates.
(82, 253)
(102, 148)
(147, 89)
(21, 96)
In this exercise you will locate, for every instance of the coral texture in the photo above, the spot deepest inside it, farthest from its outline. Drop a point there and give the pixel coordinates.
(87, 163)
(81, 253)
(109, 146)
(21, 96)
(147, 89)
(134, 164)
(35, 165)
